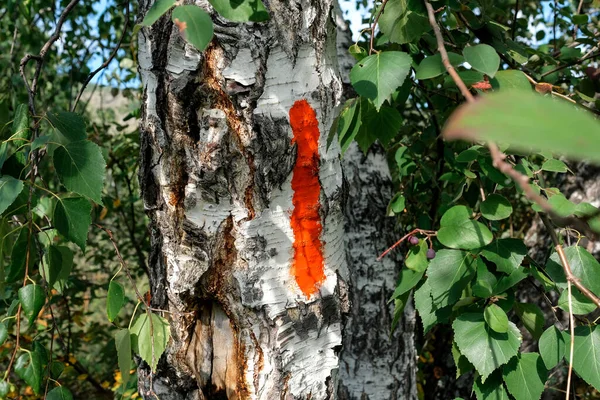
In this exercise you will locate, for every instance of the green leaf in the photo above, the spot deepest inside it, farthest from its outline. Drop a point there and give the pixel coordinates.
(553, 165)
(241, 10)
(579, 19)
(56, 369)
(53, 265)
(484, 348)
(70, 125)
(432, 66)
(581, 305)
(510, 79)
(348, 124)
(59, 393)
(65, 271)
(147, 335)
(496, 318)
(4, 389)
(20, 129)
(449, 273)
(398, 203)
(468, 155)
(408, 279)
(417, 257)
(586, 353)
(16, 270)
(458, 231)
(357, 52)
(29, 368)
(525, 376)
(562, 206)
(462, 364)
(32, 299)
(486, 281)
(377, 76)
(114, 300)
(158, 9)
(483, 58)
(123, 344)
(507, 254)
(506, 282)
(383, 125)
(424, 305)
(496, 207)
(535, 122)
(532, 318)
(194, 25)
(72, 219)
(552, 347)
(492, 389)
(399, 305)
(403, 21)
(81, 168)
(10, 188)
(583, 265)
(3, 333)
(469, 77)
(40, 141)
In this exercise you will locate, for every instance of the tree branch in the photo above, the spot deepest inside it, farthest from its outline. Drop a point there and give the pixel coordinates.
(577, 62)
(374, 25)
(108, 60)
(32, 89)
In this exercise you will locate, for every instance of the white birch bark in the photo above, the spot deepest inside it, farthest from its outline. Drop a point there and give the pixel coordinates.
(216, 169)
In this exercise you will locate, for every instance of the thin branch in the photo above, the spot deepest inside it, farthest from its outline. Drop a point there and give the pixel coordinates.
(445, 60)
(572, 344)
(108, 60)
(575, 28)
(124, 265)
(426, 233)
(567, 268)
(374, 25)
(554, 24)
(571, 64)
(514, 22)
(32, 89)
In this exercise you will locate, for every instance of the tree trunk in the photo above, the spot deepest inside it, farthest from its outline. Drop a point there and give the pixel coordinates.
(247, 223)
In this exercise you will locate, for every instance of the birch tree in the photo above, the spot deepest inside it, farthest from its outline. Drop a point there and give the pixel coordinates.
(266, 297)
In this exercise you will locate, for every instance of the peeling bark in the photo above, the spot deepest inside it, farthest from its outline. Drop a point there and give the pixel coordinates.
(216, 168)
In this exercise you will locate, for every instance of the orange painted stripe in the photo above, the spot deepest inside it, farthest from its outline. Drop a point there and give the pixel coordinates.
(307, 266)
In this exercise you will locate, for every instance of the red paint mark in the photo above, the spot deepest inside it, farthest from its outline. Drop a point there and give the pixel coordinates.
(307, 266)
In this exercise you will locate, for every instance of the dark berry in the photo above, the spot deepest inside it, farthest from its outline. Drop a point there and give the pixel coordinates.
(430, 254)
(413, 240)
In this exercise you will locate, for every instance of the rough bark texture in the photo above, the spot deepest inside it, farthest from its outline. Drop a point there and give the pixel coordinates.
(374, 365)
(217, 161)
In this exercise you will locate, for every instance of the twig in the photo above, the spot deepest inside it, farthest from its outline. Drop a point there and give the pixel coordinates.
(445, 60)
(594, 55)
(124, 265)
(572, 344)
(32, 89)
(571, 279)
(108, 60)
(575, 34)
(554, 24)
(514, 24)
(567, 268)
(374, 25)
(421, 231)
